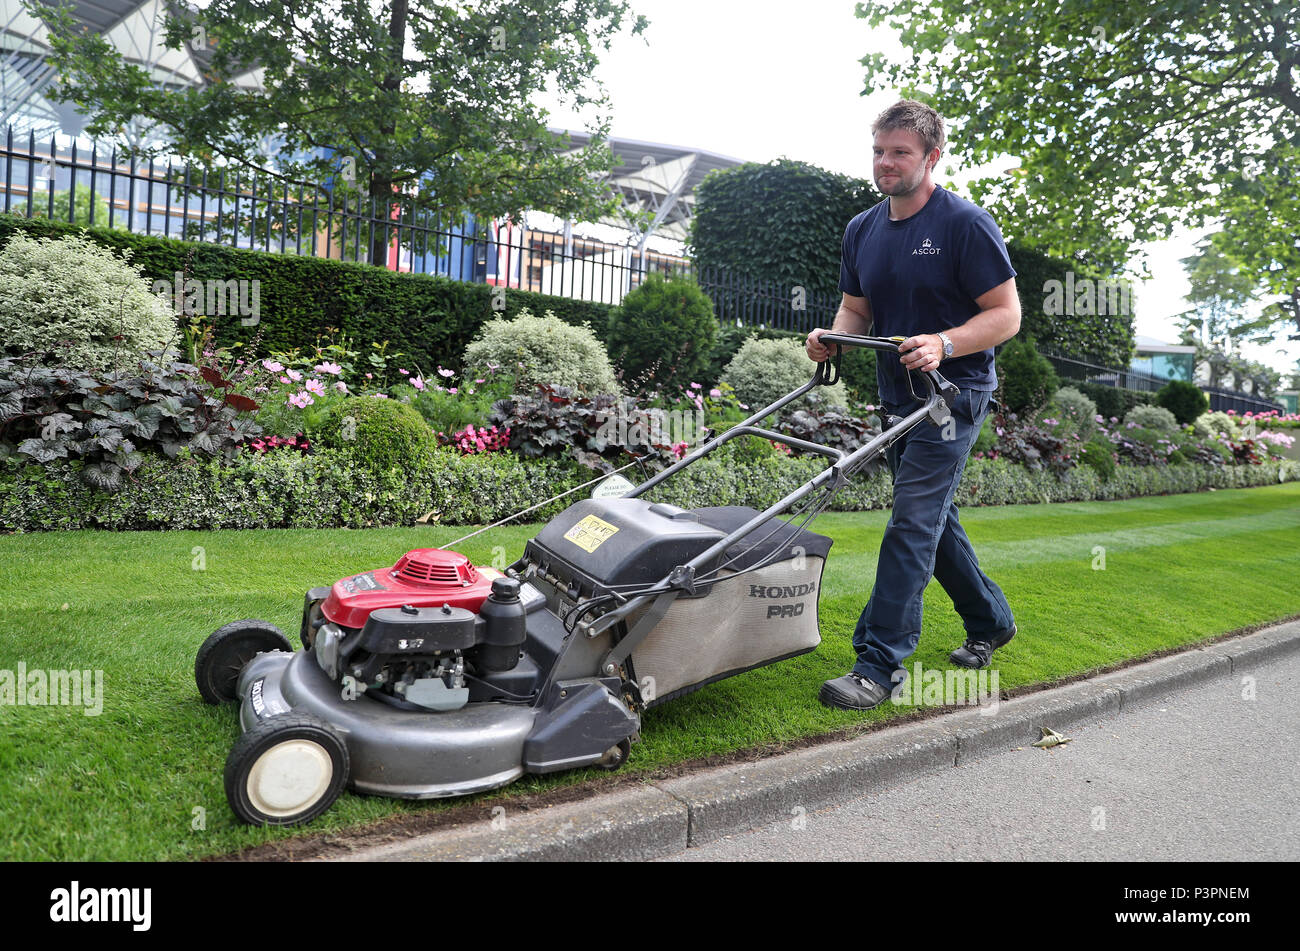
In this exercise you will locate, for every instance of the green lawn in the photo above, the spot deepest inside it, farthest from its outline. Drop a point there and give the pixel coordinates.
(126, 784)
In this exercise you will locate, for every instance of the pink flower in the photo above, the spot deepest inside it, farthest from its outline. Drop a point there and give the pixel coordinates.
(341, 386)
(715, 392)
(380, 396)
(446, 373)
(370, 376)
(301, 399)
(417, 382)
(403, 372)
(239, 363)
(315, 386)
(480, 380)
(452, 391)
(331, 368)
(284, 379)
(695, 386)
(293, 375)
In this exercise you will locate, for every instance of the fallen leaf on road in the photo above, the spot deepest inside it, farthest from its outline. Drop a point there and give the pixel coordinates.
(1050, 738)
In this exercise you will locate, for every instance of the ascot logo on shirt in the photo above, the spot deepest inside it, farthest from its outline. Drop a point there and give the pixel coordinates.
(925, 248)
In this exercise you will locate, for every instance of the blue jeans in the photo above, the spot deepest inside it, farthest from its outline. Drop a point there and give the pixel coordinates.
(924, 539)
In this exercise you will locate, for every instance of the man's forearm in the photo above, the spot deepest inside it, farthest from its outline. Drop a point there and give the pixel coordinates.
(850, 322)
(984, 331)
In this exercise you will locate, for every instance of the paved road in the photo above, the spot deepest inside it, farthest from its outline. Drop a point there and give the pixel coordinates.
(1203, 774)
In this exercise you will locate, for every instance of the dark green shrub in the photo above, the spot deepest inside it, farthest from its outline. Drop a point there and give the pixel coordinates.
(1185, 400)
(381, 434)
(858, 370)
(663, 333)
(743, 450)
(1098, 455)
(1026, 378)
(1111, 400)
(725, 344)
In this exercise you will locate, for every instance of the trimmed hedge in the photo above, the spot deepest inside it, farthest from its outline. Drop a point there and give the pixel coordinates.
(428, 317)
(328, 490)
(285, 490)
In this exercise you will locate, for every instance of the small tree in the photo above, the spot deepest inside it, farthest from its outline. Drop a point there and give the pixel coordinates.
(1185, 400)
(1026, 377)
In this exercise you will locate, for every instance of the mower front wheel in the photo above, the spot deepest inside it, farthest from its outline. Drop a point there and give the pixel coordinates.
(616, 755)
(286, 770)
(226, 651)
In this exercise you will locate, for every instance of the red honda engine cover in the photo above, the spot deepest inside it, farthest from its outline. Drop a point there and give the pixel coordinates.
(424, 577)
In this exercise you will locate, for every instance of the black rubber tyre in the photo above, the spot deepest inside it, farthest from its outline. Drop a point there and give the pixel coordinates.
(615, 756)
(286, 770)
(226, 651)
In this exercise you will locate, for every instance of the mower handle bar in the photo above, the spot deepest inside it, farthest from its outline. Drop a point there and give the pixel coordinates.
(824, 375)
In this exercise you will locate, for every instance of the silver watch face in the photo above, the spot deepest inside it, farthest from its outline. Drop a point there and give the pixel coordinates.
(947, 346)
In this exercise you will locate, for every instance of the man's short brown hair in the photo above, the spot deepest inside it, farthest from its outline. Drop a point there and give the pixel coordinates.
(915, 117)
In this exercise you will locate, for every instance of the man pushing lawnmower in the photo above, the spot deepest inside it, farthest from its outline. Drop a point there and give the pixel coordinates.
(932, 268)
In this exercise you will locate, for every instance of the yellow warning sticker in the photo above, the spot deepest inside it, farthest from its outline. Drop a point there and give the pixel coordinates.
(590, 533)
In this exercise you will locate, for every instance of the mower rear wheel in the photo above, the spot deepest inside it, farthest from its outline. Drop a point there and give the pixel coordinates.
(286, 770)
(226, 651)
(616, 755)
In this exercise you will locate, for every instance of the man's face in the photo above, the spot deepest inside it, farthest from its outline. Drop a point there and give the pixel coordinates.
(900, 163)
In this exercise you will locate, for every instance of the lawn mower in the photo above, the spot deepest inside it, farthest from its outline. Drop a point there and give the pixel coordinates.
(436, 677)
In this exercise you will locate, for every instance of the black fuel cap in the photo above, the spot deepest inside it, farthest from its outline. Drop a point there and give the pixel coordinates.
(505, 589)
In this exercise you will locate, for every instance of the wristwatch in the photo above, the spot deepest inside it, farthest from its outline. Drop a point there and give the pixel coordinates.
(947, 344)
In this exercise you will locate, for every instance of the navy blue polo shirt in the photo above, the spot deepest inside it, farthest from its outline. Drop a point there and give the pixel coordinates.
(921, 275)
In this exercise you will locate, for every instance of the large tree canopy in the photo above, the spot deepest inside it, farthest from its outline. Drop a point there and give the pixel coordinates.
(396, 93)
(1126, 117)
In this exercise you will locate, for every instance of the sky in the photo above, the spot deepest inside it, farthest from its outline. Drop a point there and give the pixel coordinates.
(758, 80)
